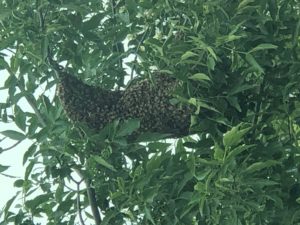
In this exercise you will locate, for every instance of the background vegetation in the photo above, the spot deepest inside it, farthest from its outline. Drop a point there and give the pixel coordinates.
(239, 65)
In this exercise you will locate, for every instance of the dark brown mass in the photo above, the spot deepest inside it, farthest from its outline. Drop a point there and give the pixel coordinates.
(146, 100)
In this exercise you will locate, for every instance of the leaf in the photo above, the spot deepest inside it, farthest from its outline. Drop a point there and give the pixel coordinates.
(238, 150)
(240, 88)
(218, 153)
(211, 63)
(148, 137)
(102, 162)
(8, 205)
(199, 77)
(198, 103)
(273, 8)
(29, 169)
(228, 38)
(19, 183)
(212, 53)
(12, 134)
(263, 47)
(29, 153)
(148, 215)
(128, 127)
(187, 55)
(251, 60)
(260, 166)
(93, 22)
(37, 201)
(20, 118)
(3, 168)
(233, 101)
(4, 13)
(244, 3)
(234, 136)
(3, 64)
(296, 34)
(131, 7)
(44, 47)
(150, 193)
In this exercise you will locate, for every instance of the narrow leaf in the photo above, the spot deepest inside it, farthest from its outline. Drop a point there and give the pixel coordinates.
(20, 118)
(251, 60)
(187, 55)
(3, 168)
(12, 134)
(102, 162)
(128, 127)
(199, 77)
(264, 46)
(260, 166)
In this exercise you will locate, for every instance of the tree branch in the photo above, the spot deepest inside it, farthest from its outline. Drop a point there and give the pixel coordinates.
(92, 199)
(11, 147)
(79, 205)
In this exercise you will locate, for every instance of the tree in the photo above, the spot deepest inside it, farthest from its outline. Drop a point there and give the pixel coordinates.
(238, 66)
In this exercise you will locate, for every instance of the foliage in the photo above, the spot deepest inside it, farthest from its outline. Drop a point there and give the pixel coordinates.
(238, 62)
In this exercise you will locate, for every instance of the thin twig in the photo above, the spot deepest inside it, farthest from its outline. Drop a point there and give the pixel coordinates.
(79, 205)
(11, 147)
(136, 51)
(92, 199)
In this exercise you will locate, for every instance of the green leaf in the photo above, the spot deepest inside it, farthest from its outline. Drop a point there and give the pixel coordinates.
(296, 34)
(131, 7)
(244, 3)
(234, 136)
(4, 13)
(200, 77)
(251, 60)
(37, 201)
(233, 101)
(3, 64)
(218, 153)
(211, 63)
(12, 134)
(102, 162)
(238, 150)
(29, 153)
(19, 183)
(20, 118)
(212, 53)
(93, 22)
(150, 193)
(228, 38)
(148, 137)
(3, 168)
(148, 215)
(260, 166)
(29, 169)
(187, 55)
(128, 127)
(264, 46)
(240, 88)
(44, 48)
(273, 8)
(8, 205)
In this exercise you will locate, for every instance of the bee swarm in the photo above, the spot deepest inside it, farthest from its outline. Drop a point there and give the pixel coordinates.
(145, 100)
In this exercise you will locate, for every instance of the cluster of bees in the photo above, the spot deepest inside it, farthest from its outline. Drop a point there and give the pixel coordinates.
(147, 100)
